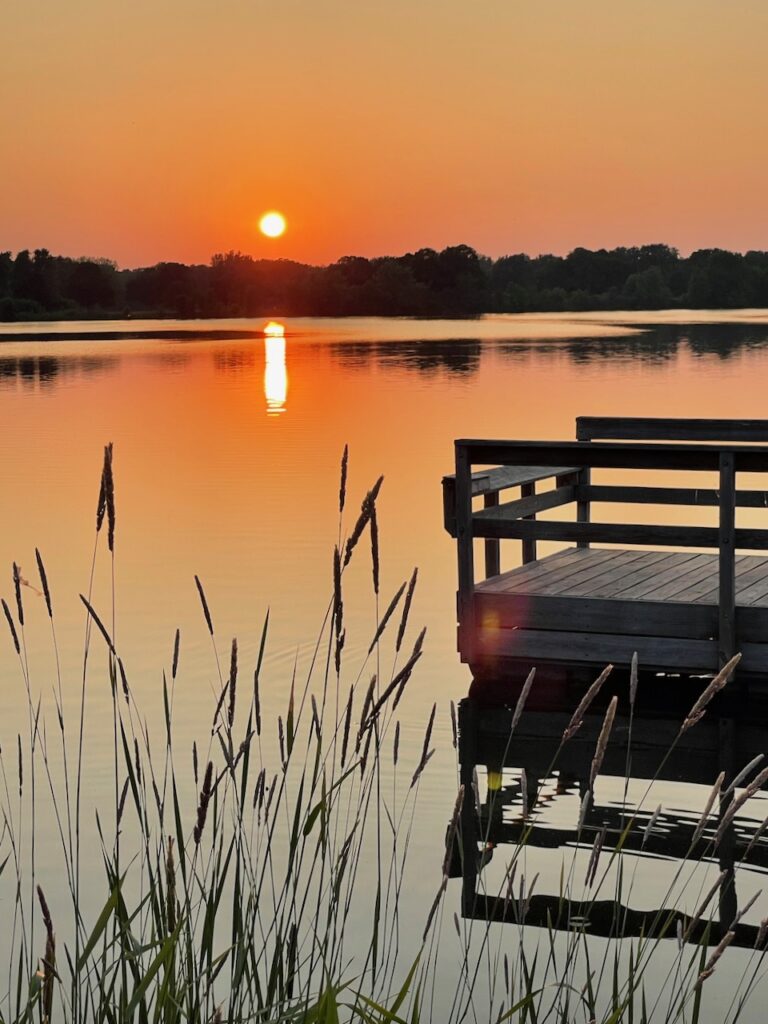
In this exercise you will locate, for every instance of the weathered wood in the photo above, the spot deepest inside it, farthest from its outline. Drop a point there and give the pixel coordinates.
(696, 496)
(492, 547)
(600, 615)
(607, 533)
(727, 561)
(614, 455)
(615, 581)
(681, 611)
(551, 566)
(529, 552)
(583, 504)
(590, 568)
(527, 506)
(466, 566)
(598, 649)
(648, 428)
(492, 481)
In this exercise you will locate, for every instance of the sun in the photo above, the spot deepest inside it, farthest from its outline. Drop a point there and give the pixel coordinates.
(272, 224)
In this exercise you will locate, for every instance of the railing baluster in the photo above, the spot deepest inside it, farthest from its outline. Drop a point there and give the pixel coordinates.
(492, 545)
(583, 507)
(727, 565)
(529, 543)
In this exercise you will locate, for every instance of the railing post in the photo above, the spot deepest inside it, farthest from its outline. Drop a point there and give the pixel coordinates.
(465, 553)
(727, 566)
(492, 545)
(583, 507)
(529, 545)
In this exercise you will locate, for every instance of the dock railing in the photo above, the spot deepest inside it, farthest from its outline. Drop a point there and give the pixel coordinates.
(570, 464)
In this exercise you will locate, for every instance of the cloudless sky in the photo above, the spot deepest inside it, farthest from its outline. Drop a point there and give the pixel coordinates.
(160, 131)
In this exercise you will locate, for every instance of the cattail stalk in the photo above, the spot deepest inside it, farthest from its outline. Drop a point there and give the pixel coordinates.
(406, 609)
(521, 700)
(202, 807)
(386, 617)
(715, 685)
(44, 582)
(578, 716)
(713, 795)
(204, 603)
(602, 741)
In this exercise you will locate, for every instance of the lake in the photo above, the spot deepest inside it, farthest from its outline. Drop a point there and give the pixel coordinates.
(227, 447)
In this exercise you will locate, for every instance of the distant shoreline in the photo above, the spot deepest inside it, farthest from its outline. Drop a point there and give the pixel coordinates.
(457, 282)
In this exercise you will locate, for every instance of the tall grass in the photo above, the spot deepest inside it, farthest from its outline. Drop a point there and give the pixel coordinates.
(265, 878)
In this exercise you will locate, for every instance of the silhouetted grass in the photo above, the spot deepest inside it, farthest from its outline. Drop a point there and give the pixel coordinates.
(278, 892)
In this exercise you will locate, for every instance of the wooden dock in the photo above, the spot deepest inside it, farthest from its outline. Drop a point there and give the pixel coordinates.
(685, 598)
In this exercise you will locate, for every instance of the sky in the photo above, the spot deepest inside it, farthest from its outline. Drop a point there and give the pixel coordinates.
(145, 132)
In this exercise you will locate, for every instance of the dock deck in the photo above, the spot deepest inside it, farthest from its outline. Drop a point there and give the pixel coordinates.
(683, 610)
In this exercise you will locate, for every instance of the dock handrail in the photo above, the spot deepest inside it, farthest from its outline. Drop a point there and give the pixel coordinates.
(653, 428)
(510, 520)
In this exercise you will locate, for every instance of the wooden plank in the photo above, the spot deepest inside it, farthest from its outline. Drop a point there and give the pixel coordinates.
(615, 583)
(751, 540)
(695, 496)
(757, 591)
(704, 590)
(613, 455)
(751, 624)
(651, 428)
(595, 614)
(527, 506)
(659, 588)
(670, 574)
(485, 481)
(557, 582)
(616, 566)
(751, 571)
(656, 652)
(568, 559)
(604, 533)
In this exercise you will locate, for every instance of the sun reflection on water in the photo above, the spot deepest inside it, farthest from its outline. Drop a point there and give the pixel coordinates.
(275, 370)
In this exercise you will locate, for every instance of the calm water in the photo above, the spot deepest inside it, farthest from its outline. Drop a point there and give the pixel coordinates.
(227, 456)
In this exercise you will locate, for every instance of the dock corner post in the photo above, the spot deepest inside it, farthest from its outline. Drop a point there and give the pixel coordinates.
(465, 552)
(583, 504)
(727, 559)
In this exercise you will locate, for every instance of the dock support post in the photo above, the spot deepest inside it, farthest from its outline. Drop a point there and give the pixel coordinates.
(466, 596)
(727, 566)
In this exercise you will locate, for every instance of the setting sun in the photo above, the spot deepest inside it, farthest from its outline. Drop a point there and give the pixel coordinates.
(272, 224)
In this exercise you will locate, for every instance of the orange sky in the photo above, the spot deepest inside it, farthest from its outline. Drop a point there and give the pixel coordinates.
(148, 132)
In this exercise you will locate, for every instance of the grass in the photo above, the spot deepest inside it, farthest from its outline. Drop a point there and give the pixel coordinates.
(268, 879)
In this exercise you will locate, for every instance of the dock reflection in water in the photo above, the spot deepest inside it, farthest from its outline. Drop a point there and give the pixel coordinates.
(536, 797)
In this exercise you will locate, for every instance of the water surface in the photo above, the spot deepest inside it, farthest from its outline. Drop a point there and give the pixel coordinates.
(227, 447)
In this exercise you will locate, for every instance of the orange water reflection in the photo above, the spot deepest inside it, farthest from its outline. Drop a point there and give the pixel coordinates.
(275, 369)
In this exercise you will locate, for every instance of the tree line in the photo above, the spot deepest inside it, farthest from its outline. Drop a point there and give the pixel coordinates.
(456, 281)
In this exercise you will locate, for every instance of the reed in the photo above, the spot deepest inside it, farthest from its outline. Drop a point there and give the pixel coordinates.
(271, 883)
